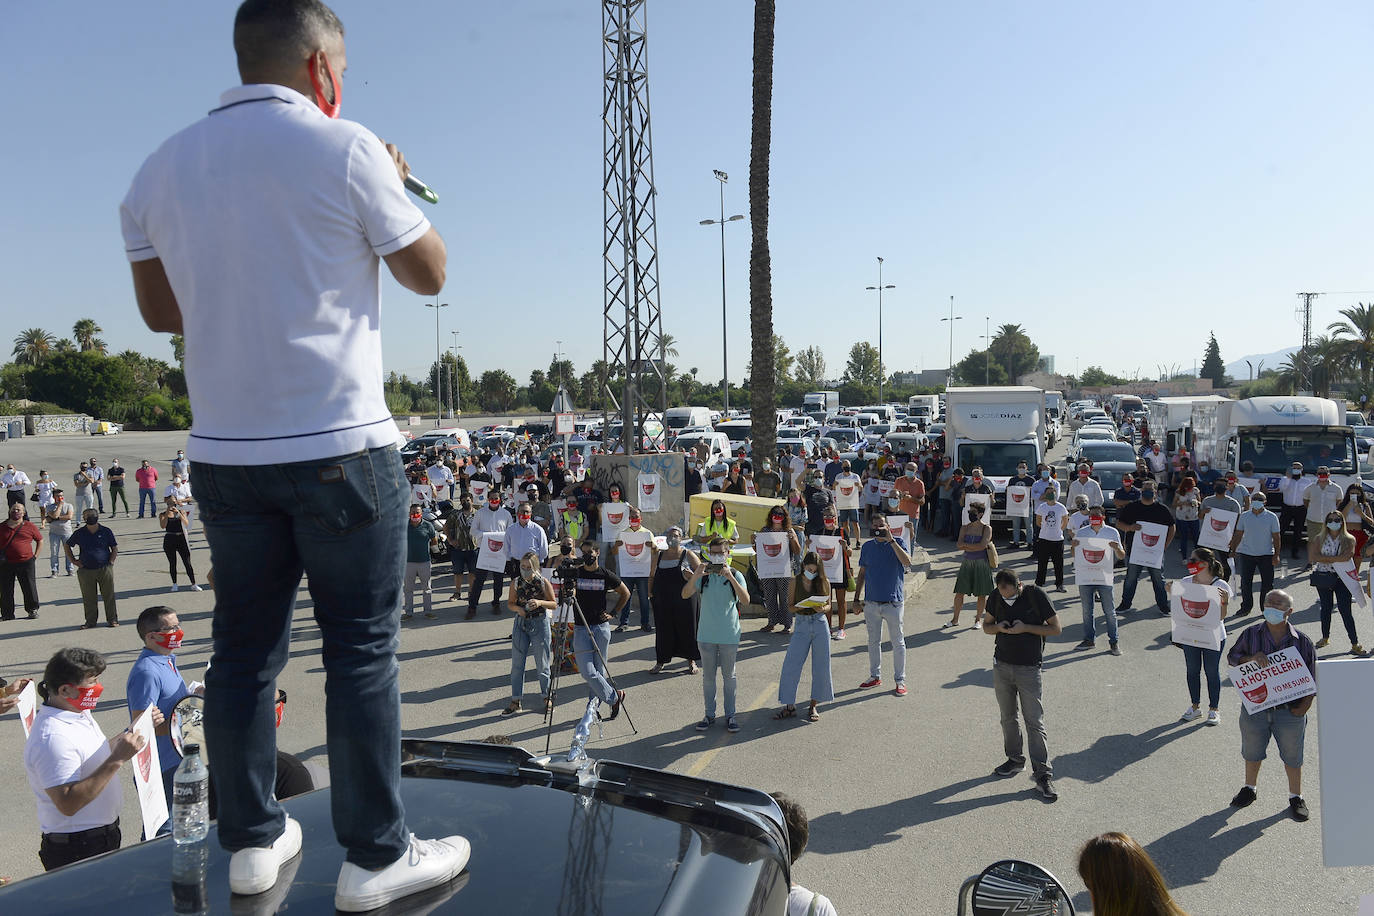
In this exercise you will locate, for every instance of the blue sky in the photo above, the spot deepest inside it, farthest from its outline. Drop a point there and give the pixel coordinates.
(1118, 180)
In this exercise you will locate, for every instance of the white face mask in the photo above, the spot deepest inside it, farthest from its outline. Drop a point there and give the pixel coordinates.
(810, 574)
(526, 573)
(718, 558)
(1333, 526)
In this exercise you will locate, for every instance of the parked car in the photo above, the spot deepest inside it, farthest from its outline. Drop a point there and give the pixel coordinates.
(429, 443)
(106, 428)
(1100, 450)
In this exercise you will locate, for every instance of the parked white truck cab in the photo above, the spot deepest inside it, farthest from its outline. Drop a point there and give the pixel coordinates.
(995, 429)
(1272, 433)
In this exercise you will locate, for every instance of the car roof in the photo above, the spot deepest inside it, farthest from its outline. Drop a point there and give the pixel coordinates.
(630, 840)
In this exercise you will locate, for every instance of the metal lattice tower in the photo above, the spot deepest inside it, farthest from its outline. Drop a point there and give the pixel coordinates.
(632, 322)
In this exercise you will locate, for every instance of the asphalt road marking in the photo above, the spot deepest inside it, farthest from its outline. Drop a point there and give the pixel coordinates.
(705, 759)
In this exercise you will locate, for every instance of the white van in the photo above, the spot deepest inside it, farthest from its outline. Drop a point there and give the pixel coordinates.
(736, 430)
(885, 413)
(717, 445)
(457, 432)
(675, 418)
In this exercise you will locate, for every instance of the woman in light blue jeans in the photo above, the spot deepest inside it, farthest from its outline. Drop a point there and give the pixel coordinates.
(810, 634)
(722, 589)
(1206, 569)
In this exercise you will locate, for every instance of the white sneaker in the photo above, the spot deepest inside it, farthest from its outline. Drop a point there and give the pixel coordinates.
(195, 588)
(426, 864)
(174, 587)
(1213, 717)
(1189, 714)
(254, 870)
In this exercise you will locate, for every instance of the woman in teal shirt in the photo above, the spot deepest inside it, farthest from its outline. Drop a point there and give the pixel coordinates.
(722, 589)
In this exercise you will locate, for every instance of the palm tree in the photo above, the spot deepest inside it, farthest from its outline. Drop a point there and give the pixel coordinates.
(1289, 373)
(33, 346)
(1329, 361)
(667, 345)
(85, 332)
(64, 345)
(1356, 337)
(762, 377)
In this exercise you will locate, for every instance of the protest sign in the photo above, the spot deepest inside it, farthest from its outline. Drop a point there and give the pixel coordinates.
(1249, 483)
(1280, 678)
(28, 706)
(846, 493)
(650, 492)
(479, 491)
(897, 524)
(1092, 561)
(1147, 548)
(1350, 578)
(979, 499)
(830, 552)
(1217, 529)
(1195, 615)
(615, 518)
(491, 551)
(774, 555)
(885, 488)
(636, 557)
(1018, 501)
(152, 802)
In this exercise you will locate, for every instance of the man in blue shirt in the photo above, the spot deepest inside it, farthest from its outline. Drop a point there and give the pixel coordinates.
(96, 569)
(1256, 547)
(883, 561)
(155, 680)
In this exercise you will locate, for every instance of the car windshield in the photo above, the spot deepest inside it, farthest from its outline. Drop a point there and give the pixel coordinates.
(1366, 431)
(1110, 480)
(1108, 451)
(997, 459)
(1273, 451)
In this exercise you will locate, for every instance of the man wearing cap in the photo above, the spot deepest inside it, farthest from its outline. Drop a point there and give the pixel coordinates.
(1256, 544)
(1294, 512)
(1320, 499)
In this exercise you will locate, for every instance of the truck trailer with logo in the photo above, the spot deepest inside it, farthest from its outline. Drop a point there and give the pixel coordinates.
(995, 428)
(1273, 432)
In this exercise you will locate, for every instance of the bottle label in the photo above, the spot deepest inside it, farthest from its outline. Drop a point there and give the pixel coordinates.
(184, 793)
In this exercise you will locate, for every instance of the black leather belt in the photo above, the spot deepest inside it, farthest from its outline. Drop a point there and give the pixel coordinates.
(82, 836)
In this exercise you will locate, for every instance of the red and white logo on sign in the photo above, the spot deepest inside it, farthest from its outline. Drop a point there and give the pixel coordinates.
(1218, 525)
(614, 517)
(825, 553)
(647, 488)
(1258, 695)
(1195, 609)
(772, 550)
(634, 550)
(144, 759)
(495, 544)
(1093, 556)
(1149, 540)
(1018, 497)
(845, 491)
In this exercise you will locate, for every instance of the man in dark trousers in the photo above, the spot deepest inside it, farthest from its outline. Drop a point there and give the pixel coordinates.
(1021, 617)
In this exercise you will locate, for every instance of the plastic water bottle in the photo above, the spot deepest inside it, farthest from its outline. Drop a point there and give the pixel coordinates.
(189, 894)
(191, 798)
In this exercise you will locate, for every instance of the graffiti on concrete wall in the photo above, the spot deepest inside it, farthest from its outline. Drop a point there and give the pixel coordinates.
(48, 424)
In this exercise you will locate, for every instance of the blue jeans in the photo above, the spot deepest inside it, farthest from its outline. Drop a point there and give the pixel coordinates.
(1103, 593)
(1196, 657)
(591, 662)
(340, 521)
(151, 497)
(530, 637)
(1287, 730)
(1186, 534)
(1133, 571)
(57, 553)
(810, 633)
(718, 656)
(639, 585)
(1021, 529)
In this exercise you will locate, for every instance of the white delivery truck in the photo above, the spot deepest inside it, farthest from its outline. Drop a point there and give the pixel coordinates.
(1272, 433)
(924, 408)
(820, 404)
(678, 418)
(1171, 420)
(995, 429)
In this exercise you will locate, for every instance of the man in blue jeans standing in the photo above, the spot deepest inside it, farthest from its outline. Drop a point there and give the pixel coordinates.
(1097, 527)
(883, 561)
(1145, 509)
(257, 233)
(592, 638)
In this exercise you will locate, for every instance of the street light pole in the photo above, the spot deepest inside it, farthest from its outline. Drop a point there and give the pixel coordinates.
(949, 373)
(457, 399)
(987, 338)
(724, 349)
(880, 289)
(438, 363)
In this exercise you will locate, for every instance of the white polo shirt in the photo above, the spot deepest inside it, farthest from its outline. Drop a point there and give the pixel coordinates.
(67, 747)
(269, 219)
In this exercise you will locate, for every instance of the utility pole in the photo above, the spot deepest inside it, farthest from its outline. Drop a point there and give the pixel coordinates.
(1306, 309)
(880, 287)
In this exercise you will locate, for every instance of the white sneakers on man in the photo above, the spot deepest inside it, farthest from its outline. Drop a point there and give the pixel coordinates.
(426, 864)
(254, 870)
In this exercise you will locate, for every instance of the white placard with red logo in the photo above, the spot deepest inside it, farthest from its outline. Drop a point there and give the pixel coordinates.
(897, 525)
(1195, 615)
(148, 776)
(1217, 529)
(636, 557)
(479, 490)
(1280, 678)
(491, 551)
(28, 706)
(650, 488)
(1092, 561)
(1018, 501)
(615, 518)
(846, 493)
(1350, 578)
(978, 499)
(831, 553)
(1250, 483)
(1147, 547)
(774, 555)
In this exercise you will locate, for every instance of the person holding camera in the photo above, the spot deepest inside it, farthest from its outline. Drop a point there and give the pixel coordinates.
(1021, 617)
(531, 599)
(592, 635)
(883, 561)
(722, 589)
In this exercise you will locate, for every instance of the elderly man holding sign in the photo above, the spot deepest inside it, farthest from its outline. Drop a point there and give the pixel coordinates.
(1275, 668)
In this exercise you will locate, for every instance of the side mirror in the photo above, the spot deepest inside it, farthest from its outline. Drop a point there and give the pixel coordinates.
(1012, 886)
(188, 724)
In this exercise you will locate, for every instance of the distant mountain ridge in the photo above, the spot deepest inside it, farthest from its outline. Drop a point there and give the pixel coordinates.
(1241, 372)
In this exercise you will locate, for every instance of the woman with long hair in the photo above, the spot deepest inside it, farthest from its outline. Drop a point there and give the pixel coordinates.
(1187, 505)
(975, 575)
(775, 588)
(173, 521)
(675, 619)
(1359, 519)
(1122, 879)
(718, 524)
(1205, 568)
(810, 634)
(1336, 545)
(831, 527)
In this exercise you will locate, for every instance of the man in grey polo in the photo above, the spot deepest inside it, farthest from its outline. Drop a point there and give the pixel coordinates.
(1256, 546)
(883, 561)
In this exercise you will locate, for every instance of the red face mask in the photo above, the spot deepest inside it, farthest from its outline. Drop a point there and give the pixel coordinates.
(1082, 475)
(169, 640)
(331, 109)
(1194, 567)
(1095, 519)
(86, 697)
(776, 519)
(718, 513)
(494, 503)
(415, 516)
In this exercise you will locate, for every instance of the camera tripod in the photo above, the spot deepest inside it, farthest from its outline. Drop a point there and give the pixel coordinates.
(569, 607)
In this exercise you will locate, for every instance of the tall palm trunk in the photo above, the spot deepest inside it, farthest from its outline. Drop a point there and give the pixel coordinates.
(762, 381)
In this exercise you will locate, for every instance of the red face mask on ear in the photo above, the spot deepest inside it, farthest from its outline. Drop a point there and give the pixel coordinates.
(329, 108)
(86, 697)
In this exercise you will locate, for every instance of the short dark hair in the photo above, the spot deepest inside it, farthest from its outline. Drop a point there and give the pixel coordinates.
(1006, 577)
(148, 620)
(270, 35)
(798, 825)
(70, 666)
